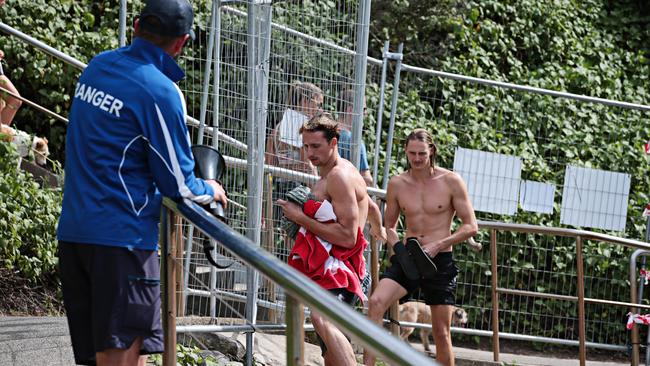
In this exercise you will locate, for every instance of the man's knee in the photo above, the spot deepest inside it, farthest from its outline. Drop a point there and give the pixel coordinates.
(317, 321)
(442, 333)
(376, 306)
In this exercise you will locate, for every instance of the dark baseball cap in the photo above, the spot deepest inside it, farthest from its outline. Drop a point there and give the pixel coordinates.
(175, 16)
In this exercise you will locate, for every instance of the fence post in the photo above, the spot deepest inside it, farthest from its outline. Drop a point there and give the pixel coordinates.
(216, 77)
(122, 26)
(360, 68)
(380, 112)
(252, 221)
(208, 69)
(258, 48)
(176, 256)
(581, 301)
(495, 295)
(393, 111)
(168, 242)
(634, 337)
(295, 332)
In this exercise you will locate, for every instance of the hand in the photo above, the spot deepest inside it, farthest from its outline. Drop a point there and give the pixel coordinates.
(291, 210)
(432, 249)
(378, 232)
(219, 192)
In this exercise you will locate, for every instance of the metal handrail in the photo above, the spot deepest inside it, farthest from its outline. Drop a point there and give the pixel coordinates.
(300, 287)
(580, 236)
(43, 47)
(558, 231)
(35, 105)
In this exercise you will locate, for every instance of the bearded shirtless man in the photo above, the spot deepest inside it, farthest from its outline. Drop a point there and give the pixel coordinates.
(343, 187)
(429, 196)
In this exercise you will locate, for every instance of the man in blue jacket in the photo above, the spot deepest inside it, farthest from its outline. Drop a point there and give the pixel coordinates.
(127, 144)
(345, 105)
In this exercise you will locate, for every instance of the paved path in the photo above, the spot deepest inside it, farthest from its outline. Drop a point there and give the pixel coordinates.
(33, 341)
(44, 341)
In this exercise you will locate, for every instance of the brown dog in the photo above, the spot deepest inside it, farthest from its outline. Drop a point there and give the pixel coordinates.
(419, 312)
(25, 142)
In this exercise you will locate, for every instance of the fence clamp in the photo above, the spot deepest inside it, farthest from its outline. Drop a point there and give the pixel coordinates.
(394, 56)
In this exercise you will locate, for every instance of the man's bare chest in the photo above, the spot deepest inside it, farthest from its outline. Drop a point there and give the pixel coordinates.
(430, 199)
(319, 190)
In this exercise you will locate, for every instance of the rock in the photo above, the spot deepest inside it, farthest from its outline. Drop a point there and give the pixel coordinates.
(259, 359)
(218, 356)
(229, 347)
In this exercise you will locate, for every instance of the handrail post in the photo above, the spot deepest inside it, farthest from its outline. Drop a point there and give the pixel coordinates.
(374, 264)
(634, 337)
(393, 310)
(581, 302)
(168, 241)
(495, 296)
(295, 332)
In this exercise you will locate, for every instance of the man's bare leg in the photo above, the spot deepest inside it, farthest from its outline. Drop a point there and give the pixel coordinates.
(441, 329)
(386, 293)
(122, 357)
(339, 350)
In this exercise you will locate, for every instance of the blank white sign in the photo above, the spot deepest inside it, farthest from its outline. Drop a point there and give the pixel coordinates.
(492, 179)
(536, 196)
(594, 198)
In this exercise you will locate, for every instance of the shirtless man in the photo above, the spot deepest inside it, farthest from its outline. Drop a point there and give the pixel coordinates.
(341, 185)
(429, 196)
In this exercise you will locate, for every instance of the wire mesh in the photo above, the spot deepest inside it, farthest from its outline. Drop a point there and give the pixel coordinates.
(314, 42)
(311, 42)
(547, 133)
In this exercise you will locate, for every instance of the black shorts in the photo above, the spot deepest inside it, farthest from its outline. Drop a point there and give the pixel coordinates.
(111, 296)
(345, 296)
(440, 290)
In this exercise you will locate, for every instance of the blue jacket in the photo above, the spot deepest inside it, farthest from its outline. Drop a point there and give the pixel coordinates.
(345, 149)
(126, 143)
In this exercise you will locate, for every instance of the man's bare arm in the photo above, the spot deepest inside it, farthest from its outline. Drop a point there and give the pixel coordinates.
(464, 211)
(343, 232)
(374, 217)
(391, 211)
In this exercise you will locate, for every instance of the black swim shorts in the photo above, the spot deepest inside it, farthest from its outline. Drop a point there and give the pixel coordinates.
(441, 290)
(111, 296)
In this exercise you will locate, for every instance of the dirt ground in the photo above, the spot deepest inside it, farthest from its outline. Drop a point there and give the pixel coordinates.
(22, 298)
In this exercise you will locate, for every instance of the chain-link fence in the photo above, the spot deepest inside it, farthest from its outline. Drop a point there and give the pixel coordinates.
(304, 60)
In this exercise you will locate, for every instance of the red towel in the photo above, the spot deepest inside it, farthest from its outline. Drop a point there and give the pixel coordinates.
(329, 265)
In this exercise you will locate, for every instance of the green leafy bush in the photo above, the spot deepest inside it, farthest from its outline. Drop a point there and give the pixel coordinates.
(595, 48)
(28, 218)
(187, 356)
